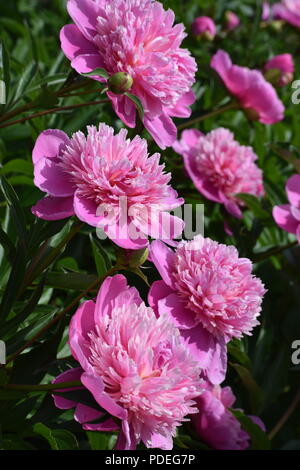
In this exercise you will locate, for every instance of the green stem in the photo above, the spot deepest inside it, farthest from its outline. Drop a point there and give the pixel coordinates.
(216, 112)
(273, 251)
(41, 388)
(58, 317)
(286, 415)
(52, 111)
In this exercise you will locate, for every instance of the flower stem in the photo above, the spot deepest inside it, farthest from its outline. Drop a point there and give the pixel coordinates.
(273, 251)
(52, 111)
(41, 388)
(286, 415)
(216, 112)
(58, 317)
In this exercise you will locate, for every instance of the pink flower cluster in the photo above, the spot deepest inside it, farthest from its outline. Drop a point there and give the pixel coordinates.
(210, 294)
(91, 175)
(287, 216)
(205, 27)
(289, 11)
(215, 424)
(134, 365)
(254, 94)
(137, 37)
(282, 66)
(219, 167)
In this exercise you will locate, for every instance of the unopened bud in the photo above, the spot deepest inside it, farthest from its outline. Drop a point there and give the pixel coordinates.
(251, 114)
(132, 258)
(120, 82)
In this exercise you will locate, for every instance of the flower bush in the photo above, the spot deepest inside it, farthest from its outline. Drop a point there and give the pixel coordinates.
(150, 225)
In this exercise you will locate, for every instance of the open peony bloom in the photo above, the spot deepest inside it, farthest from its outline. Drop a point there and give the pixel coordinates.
(232, 20)
(210, 294)
(134, 365)
(109, 182)
(287, 216)
(254, 94)
(280, 70)
(289, 11)
(215, 424)
(138, 38)
(205, 27)
(220, 167)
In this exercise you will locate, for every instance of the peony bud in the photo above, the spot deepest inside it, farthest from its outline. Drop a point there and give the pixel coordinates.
(204, 28)
(279, 70)
(232, 20)
(120, 82)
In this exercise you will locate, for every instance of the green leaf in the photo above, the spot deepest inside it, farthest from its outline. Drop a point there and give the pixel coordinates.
(16, 211)
(137, 103)
(8, 246)
(99, 258)
(17, 165)
(254, 205)
(4, 67)
(58, 439)
(250, 384)
(259, 439)
(26, 78)
(99, 72)
(76, 281)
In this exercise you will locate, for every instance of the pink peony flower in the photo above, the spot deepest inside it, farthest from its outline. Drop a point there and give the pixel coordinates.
(289, 11)
(134, 365)
(249, 87)
(215, 424)
(210, 294)
(220, 167)
(204, 26)
(108, 181)
(266, 11)
(138, 38)
(280, 69)
(287, 216)
(232, 20)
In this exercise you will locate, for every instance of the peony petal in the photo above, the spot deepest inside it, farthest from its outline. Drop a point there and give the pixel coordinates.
(182, 317)
(86, 63)
(84, 414)
(114, 291)
(73, 43)
(293, 190)
(84, 13)
(82, 323)
(107, 426)
(54, 208)
(95, 385)
(86, 210)
(203, 185)
(189, 140)
(158, 291)
(162, 129)
(49, 144)
(161, 442)
(126, 235)
(124, 108)
(208, 351)
(163, 258)
(284, 218)
(50, 178)
(182, 108)
(71, 375)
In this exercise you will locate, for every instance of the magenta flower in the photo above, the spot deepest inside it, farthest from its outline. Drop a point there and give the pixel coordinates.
(109, 182)
(211, 296)
(266, 11)
(134, 365)
(289, 11)
(220, 167)
(138, 38)
(254, 94)
(280, 69)
(232, 20)
(204, 26)
(287, 216)
(215, 424)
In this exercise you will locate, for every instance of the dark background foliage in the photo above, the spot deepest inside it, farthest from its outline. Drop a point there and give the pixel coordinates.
(44, 266)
